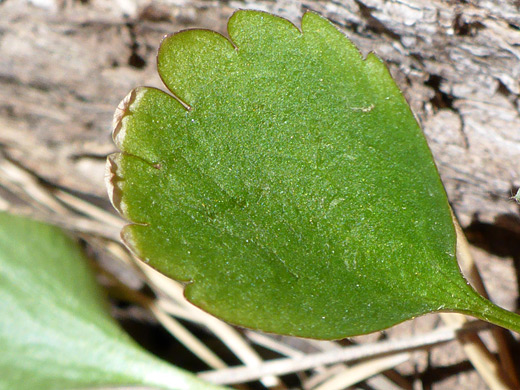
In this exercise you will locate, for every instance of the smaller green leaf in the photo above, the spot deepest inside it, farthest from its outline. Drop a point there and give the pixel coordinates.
(55, 331)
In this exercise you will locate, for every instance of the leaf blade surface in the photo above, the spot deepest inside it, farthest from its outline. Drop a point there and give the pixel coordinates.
(297, 195)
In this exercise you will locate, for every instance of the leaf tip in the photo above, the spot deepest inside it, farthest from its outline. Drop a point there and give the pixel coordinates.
(239, 23)
(311, 14)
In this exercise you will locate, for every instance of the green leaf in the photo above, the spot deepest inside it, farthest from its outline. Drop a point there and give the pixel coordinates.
(55, 331)
(287, 182)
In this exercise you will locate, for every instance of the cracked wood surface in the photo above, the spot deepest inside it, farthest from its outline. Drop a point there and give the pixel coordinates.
(65, 65)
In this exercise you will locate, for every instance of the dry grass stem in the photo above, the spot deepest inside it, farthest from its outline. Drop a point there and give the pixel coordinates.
(356, 352)
(178, 331)
(92, 211)
(361, 371)
(268, 342)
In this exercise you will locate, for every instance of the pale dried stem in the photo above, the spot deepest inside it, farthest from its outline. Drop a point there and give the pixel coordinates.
(87, 208)
(362, 371)
(274, 345)
(186, 338)
(26, 185)
(390, 379)
(346, 354)
(324, 373)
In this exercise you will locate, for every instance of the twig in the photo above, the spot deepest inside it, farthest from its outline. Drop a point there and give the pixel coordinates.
(359, 372)
(323, 374)
(89, 209)
(267, 342)
(288, 365)
(19, 179)
(187, 338)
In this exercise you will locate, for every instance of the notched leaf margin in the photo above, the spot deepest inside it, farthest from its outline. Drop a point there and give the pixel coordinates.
(112, 174)
(124, 108)
(112, 166)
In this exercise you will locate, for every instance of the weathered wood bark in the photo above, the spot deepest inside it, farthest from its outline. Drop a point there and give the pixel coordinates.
(65, 65)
